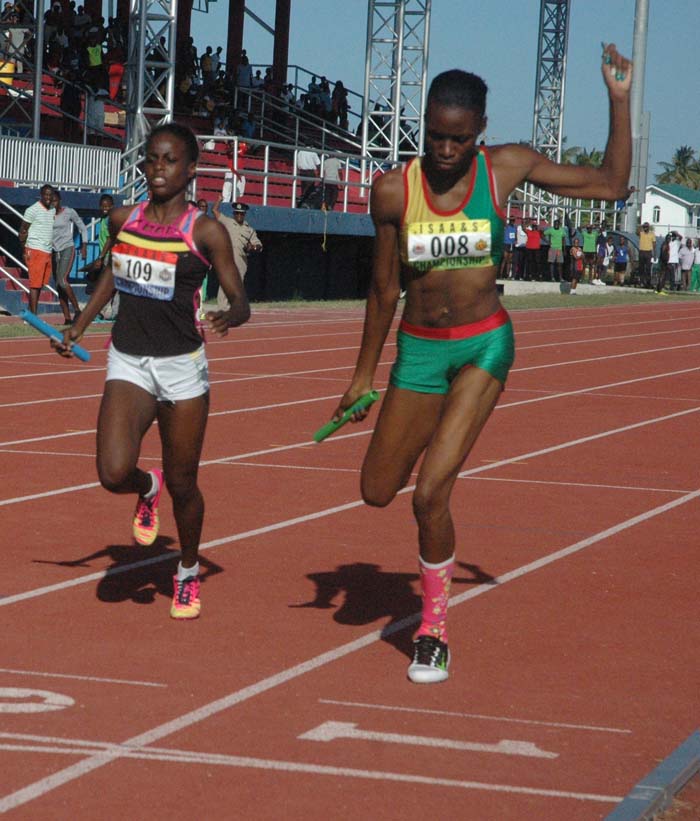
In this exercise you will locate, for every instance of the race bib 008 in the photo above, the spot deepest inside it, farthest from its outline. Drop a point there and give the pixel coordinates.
(143, 272)
(454, 243)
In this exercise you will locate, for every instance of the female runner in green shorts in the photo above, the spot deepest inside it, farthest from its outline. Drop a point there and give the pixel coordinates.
(439, 221)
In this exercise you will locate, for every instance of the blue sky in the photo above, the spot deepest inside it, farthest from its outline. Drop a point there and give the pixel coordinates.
(498, 40)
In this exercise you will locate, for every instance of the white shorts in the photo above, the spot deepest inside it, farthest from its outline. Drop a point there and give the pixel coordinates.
(168, 378)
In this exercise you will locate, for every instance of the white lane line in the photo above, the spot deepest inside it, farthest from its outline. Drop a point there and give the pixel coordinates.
(542, 398)
(333, 730)
(71, 747)
(99, 759)
(597, 339)
(48, 494)
(80, 678)
(479, 716)
(51, 400)
(341, 437)
(12, 599)
(62, 372)
(594, 485)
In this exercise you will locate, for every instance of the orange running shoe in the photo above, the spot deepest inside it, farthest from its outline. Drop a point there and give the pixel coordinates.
(146, 519)
(186, 604)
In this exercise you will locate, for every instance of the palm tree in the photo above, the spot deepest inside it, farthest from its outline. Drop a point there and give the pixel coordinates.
(592, 158)
(569, 153)
(683, 169)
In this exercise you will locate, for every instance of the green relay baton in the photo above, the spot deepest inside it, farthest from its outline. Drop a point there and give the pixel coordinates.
(331, 427)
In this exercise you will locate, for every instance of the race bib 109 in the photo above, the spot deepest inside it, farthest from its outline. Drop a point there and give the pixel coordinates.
(144, 272)
(449, 243)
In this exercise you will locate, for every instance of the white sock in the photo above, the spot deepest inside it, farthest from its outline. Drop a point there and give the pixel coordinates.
(185, 572)
(154, 485)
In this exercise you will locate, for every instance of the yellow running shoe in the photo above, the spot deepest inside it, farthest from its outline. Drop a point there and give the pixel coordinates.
(146, 519)
(186, 604)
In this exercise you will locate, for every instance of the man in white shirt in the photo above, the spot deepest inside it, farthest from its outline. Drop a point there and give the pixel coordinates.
(36, 235)
(308, 164)
(674, 260)
(332, 175)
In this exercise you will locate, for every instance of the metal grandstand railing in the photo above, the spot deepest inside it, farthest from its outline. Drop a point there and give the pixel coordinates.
(275, 165)
(36, 162)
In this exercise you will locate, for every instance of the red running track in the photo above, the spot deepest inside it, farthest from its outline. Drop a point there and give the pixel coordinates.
(572, 624)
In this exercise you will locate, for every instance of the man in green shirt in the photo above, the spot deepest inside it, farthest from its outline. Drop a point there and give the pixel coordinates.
(555, 255)
(590, 261)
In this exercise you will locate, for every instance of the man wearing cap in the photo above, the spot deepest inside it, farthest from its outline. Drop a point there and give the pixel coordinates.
(244, 241)
(647, 242)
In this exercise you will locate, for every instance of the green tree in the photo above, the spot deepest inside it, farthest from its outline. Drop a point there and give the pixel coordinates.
(592, 158)
(684, 169)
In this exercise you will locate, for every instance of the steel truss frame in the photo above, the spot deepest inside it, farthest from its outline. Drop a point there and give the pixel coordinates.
(396, 61)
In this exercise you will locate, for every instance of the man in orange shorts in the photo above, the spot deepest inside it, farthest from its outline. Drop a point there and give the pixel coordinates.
(36, 235)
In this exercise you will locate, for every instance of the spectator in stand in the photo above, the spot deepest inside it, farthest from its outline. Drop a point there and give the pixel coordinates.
(64, 254)
(324, 96)
(287, 97)
(81, 21)
(191, 58)
(216, 60)
(234, 181)
(590, 255)
(647, 243)
(532, 251)
(695, 270)
(71, 106)
(93, 65)
(95, 114)
(621, 261)
(575, 265)
(555, 255)
(269, 84)
(308, 163)
(674, 262)
(36, 235)
(686, 256)
(339, 105)
(257, 81)
(116, 64)
(510, 233)
(16, 39)
(332, 175)
(603, 255)
(244, 79)
(519, 252)
(206, 66)
(185, 94)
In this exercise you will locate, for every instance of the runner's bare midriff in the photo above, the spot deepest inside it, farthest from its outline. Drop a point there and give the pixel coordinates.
(443, 299)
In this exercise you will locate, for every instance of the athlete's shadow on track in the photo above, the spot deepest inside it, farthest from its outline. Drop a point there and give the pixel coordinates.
(137, 574)
(371, 595)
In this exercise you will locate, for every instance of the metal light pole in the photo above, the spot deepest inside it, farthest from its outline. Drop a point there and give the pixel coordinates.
(639, 118)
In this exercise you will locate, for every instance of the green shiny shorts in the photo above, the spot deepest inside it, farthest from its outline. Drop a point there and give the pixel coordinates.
(428, 359)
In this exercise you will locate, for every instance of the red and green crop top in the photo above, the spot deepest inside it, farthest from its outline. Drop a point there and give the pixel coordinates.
(469, 237)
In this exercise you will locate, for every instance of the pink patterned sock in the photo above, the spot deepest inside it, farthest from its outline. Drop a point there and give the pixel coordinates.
(435, 588)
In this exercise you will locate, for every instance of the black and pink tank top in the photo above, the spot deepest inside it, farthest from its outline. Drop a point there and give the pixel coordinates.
(158, 272)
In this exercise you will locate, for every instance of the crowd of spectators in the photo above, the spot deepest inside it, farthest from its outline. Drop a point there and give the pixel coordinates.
(233, 100)
(594, 255)
(86, 54)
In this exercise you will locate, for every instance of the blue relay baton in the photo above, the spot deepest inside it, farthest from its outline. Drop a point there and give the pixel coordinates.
(332, 426)
(52, 333)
